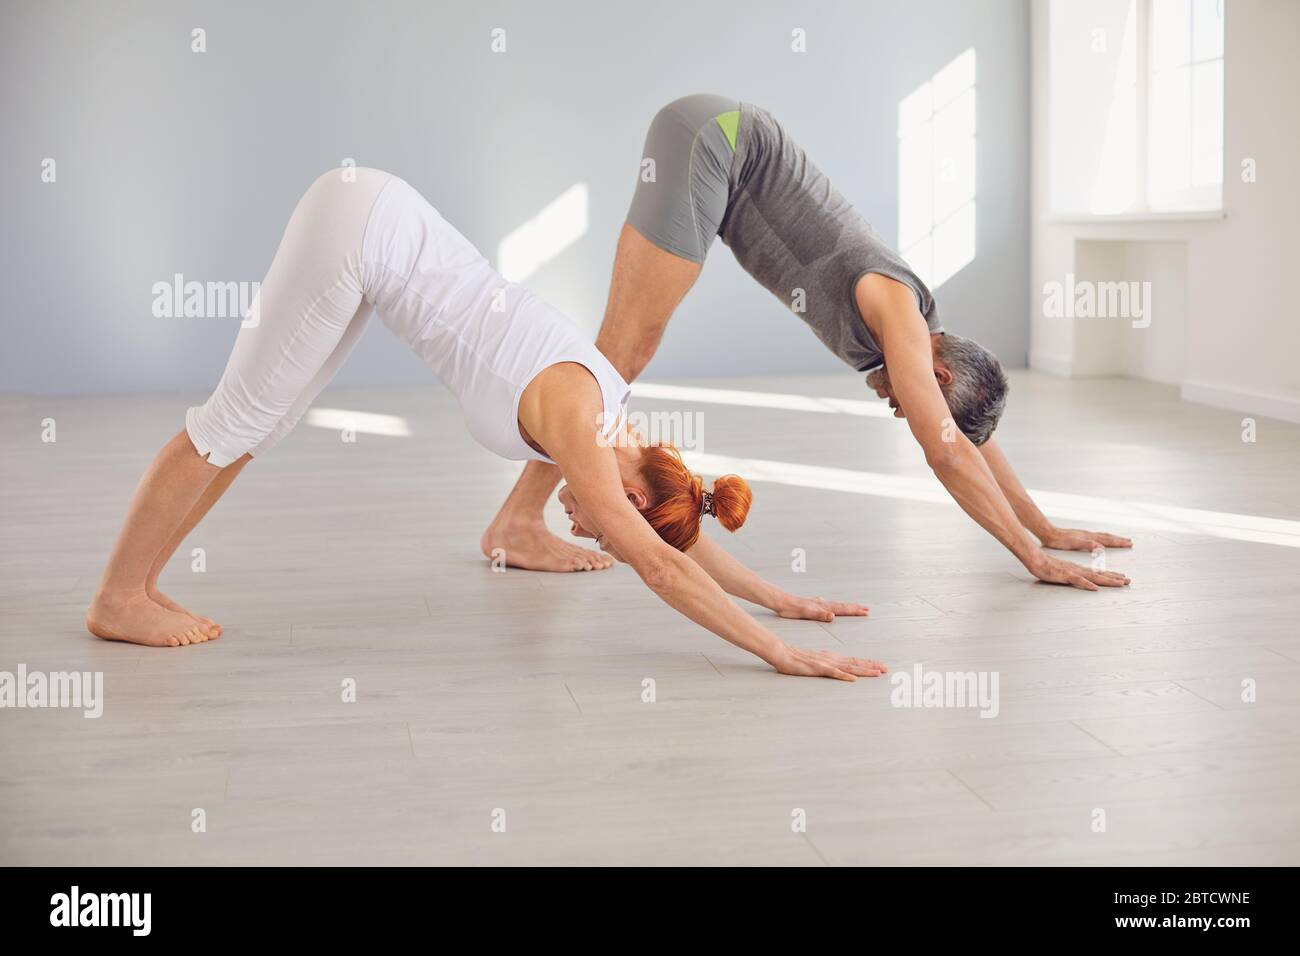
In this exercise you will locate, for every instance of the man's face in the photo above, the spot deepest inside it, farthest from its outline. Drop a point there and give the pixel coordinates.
(879, 380)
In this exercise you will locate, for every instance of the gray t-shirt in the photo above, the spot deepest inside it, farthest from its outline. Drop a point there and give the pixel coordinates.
(791, 229)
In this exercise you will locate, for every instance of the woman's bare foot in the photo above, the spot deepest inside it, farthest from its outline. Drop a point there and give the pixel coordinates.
(212, 628)
(134, 617)
(531, 546)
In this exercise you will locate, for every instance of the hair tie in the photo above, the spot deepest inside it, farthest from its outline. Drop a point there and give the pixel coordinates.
(706, 504)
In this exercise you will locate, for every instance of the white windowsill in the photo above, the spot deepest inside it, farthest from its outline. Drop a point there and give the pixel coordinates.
(1199, 215)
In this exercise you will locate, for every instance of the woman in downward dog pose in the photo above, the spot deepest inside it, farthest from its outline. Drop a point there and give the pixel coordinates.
(530, 387)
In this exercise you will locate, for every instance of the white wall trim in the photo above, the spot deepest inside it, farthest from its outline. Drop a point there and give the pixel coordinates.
(1053, 363)
(1269, 405)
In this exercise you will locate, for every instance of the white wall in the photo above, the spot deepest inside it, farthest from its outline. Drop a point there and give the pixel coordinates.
(1230, 335)
(1153, 348)
(171, 161)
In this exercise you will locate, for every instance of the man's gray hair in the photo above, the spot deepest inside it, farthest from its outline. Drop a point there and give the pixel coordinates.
(978, 392)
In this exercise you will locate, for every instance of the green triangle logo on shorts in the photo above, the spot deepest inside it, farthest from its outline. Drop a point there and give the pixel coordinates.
(730, 123)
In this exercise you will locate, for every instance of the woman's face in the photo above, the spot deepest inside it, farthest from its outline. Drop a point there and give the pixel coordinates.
(628, 455)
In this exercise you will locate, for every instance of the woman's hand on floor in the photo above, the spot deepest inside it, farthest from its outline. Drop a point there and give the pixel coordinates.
(798, 662)
(1055, 571)
(817, 608)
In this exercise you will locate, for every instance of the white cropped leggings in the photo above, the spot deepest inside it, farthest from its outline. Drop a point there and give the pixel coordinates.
(311, 309)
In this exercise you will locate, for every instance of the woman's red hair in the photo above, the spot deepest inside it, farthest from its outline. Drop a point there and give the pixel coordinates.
(677, 496)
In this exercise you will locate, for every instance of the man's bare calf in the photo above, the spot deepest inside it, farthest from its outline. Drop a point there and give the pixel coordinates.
(647, 285)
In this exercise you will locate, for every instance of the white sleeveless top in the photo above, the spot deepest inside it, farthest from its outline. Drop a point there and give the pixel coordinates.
(485, 338)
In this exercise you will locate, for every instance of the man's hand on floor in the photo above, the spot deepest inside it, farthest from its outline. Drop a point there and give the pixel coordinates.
(1076, 539)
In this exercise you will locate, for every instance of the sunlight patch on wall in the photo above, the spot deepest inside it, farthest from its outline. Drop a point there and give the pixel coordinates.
(539, 240)
(936, 173)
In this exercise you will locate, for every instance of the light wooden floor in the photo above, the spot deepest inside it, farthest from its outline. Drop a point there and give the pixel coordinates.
(522, 691)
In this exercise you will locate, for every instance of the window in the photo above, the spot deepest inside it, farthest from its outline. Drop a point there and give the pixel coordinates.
(1185, 111)
(1136, 106)
(936, 173)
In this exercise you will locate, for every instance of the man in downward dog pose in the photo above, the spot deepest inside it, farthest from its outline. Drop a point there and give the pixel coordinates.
(727, 168)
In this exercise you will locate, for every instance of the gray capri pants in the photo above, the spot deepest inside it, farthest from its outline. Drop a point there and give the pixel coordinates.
(692, 142)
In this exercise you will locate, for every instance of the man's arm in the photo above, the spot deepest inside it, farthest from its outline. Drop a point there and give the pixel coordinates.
(1048, 534)
(742, 582)
(905, 341)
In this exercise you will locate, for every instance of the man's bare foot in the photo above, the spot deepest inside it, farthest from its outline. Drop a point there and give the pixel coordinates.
(134, 617)
(531, 546)
(212, 628)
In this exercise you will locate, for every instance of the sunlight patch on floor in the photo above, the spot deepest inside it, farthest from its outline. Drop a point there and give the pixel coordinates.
(1085, 509)
(364, 423)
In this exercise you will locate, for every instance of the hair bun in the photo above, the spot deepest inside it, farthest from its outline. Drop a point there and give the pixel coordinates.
(731, 501)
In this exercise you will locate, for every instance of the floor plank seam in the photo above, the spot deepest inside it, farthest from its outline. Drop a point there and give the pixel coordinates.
(1178, 683)
(713, 665)
(952, 773)
(942, 612)
(820, 855)
(833, 635)
(1075, 724)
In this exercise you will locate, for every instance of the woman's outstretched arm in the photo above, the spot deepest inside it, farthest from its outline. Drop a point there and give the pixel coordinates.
(681, 582)
(562, 419)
